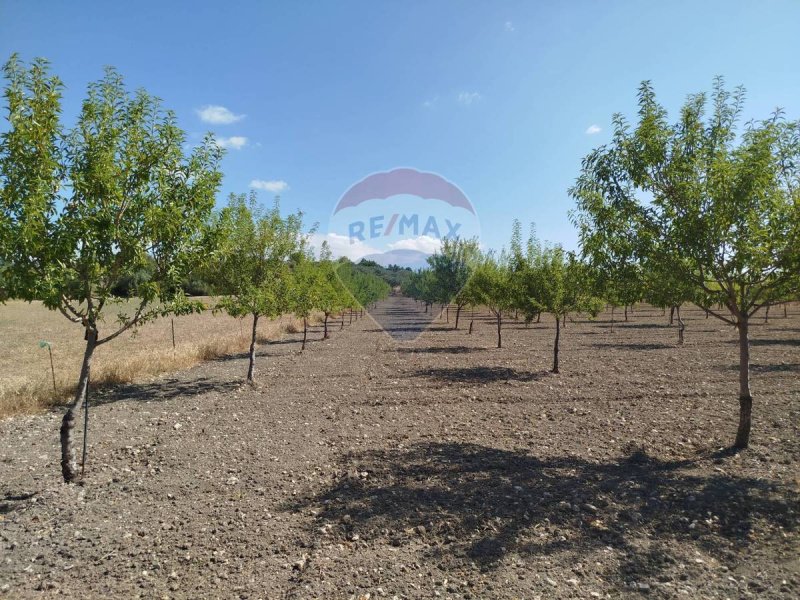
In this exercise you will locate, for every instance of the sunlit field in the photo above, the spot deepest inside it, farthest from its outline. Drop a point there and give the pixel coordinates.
(26, 381)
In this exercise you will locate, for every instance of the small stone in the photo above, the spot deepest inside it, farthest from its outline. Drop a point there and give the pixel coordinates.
(301, 563)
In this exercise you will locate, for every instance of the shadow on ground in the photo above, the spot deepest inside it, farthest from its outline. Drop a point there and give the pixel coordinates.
(470, 502)
(479, 374)
(438, 350)
(163, 389)
(11, 502)
(632, 346)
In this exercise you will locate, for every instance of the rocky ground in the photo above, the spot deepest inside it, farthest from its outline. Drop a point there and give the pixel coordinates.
(440, 466)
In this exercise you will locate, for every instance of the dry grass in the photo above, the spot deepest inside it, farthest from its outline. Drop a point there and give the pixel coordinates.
(26, 383)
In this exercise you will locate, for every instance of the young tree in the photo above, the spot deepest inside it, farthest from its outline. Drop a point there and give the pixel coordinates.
(491, 283)
(564, 286)
(450, 268)
(726, 202)
(333, 296)
(305, 288)
(81, 211)
(524, 277)
(257, 250)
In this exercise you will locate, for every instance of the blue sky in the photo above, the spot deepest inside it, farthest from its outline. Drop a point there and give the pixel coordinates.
(501, 98)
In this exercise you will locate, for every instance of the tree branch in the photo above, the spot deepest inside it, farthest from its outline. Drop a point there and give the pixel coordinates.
(126, 326)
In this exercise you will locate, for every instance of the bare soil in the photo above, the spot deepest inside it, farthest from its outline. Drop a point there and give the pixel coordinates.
(440, 466)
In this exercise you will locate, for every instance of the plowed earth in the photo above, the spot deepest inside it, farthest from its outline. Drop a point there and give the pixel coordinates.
(429, 466)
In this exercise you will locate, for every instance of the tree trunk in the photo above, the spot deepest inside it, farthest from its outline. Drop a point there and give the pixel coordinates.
(470, 326)
(539, 317)
(305, 333)
(766, 315)
(69, 468)
(565, 320)
(458, 314)
(555, 344)
(499, 325)
(626, 312)
(342, 325)
(448, 314)
(745, 399)
(351, 317)
(785, 314)
(252, 367)
(325, 330)
(612, 318)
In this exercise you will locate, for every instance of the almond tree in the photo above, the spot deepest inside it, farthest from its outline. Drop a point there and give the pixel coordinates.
(257, 250)
(451, 267)
(333, 296)
(305, 292)
(524, 278)
(725, 201)
(563, 286)
(492, 285)
(79, 211)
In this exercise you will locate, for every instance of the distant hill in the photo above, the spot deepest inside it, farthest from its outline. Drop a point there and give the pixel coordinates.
(413, 259)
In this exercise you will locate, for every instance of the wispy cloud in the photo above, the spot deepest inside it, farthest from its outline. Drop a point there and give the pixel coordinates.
(217, 115)
(276, 186)
(342, 245)
(468, 98)
(431, 102)
(423, 243)
(235, 142)
(510, 26)
(593, 129)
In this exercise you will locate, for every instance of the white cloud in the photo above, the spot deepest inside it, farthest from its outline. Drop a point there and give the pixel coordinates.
(510, 26)
(431, 103)
(275, 186)
(217, 115)
(424, 243)
(235, 142)
(593, 129)
(341, 245)
(468, 98)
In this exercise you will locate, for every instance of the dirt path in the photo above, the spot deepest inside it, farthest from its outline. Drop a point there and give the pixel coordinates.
(439, 467)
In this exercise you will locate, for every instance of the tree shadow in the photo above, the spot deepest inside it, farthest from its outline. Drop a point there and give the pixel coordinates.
(470, 502)
(772, 342)
(11, 502)
(163, 389)
(632, 346)
(772, 368)
(438, 350)
(479, 374)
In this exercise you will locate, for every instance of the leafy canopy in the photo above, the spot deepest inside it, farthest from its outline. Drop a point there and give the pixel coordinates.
(112, 198)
